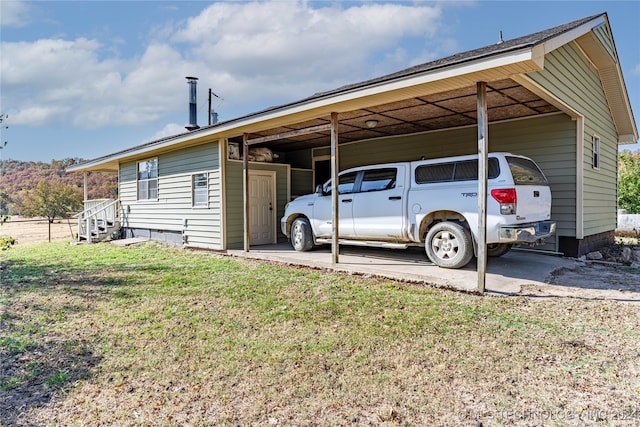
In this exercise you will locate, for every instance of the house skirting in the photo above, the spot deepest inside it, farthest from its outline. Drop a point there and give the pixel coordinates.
(570, 246)
(173, 238)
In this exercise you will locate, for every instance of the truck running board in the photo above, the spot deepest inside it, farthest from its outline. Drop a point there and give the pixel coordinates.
(371, 244)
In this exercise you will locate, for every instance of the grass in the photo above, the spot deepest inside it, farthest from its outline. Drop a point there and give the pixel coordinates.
(149, 335)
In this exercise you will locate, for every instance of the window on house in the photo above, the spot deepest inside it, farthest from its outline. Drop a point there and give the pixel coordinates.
(148, 180)
(200, 186)
(595, 147)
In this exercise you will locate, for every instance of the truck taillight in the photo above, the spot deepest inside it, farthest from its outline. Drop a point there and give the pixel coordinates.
(507, 199)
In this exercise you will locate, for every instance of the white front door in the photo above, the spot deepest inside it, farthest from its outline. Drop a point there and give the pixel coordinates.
(262, 207)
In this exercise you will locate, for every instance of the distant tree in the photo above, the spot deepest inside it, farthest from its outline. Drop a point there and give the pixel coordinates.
(18, 179)
(5, 241)
(51, 199)
(5, 200)
(629, 181)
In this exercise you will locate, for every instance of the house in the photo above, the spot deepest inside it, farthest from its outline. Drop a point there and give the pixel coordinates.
(557, 96)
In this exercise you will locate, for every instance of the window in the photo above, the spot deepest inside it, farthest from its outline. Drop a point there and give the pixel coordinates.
(595, 147)
(379, 179)
(200, 187)
(464, 170)
(345, 186)
(148, 180)
(468, 170)
(525, 172)
(442, 172)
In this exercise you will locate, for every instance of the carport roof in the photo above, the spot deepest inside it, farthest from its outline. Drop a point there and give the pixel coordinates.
(435, 95)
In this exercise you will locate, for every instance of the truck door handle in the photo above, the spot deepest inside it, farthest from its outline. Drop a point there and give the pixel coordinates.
(347, 200)
(395, 198)
(536, 193)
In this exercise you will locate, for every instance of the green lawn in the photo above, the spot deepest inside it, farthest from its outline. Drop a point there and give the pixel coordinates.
(150, 335)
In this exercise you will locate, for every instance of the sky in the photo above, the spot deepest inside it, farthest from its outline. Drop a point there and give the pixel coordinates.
(84, 79)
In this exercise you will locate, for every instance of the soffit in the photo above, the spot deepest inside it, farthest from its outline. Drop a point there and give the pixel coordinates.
(506, 100)
(613, 85)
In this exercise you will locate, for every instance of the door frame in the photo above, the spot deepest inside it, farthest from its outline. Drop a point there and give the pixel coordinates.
(318, 159)
(274, 198)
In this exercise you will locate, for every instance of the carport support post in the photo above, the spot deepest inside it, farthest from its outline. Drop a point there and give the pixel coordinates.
(245, 188)
(483, 163)
(86, 189)
(335, 249)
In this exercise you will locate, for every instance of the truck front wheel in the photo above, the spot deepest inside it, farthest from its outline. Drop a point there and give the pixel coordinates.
(301, 235)
(448, 245)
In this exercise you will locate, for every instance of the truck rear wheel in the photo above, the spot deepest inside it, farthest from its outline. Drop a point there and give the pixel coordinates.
(301, 235)
(448, 245)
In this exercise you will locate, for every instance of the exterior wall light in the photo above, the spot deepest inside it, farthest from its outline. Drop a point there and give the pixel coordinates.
(371, 123)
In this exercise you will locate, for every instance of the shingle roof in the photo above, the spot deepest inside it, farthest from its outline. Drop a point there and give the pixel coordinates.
(471, 55)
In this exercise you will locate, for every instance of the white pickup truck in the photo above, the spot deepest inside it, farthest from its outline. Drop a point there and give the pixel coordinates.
(428, 202)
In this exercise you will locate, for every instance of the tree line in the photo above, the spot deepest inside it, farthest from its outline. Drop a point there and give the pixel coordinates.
(26, 187)
(629, 181)
(46, 189)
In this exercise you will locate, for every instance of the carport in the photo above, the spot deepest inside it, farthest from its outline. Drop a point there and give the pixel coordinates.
(470, 89)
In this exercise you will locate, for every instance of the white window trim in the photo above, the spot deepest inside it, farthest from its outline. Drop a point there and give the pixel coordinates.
(138, 180)
(193, 191)
(595, 151)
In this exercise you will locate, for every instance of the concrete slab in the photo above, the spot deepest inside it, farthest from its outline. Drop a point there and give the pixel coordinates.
(506, 275)
(129, 241)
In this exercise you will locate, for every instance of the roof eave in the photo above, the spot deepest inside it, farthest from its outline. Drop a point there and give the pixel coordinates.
(488, 68)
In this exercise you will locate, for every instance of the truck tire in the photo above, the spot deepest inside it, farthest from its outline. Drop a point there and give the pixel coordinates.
(498, 249)
(448, 245)
(301, 235)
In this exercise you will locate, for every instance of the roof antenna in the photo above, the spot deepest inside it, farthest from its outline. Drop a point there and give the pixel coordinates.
(500, 41)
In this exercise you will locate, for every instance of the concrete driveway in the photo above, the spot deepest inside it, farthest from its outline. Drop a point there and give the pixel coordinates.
(505, 275)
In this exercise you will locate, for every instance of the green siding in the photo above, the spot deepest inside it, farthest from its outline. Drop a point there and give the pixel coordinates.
(300, 159)
(174, 205)
(550, 142)
(234, 198)
(602, 33)
(572, 78)
(301, 182)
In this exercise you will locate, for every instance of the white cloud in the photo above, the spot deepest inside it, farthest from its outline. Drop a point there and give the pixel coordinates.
(254, 55)
(293, 41)
(273, 52)
(636, 70)
(38, 115)
(14, 13)
(169, 130)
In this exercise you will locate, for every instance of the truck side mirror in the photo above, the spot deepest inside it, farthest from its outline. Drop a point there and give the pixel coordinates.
(319, 190)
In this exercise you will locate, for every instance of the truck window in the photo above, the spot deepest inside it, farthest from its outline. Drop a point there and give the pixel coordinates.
(464, 170)
(346, 183)
(440, 172)
(379, 179)
(468, 170)
(525, 172)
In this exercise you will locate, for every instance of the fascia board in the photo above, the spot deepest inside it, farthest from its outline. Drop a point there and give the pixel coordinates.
(510, 58)
(628, 139)
(562, 39)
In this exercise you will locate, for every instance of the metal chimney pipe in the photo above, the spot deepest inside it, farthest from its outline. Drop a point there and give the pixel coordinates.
(193, 104)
